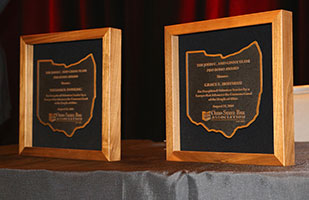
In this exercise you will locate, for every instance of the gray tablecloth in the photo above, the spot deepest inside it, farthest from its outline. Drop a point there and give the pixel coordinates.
(44, 184)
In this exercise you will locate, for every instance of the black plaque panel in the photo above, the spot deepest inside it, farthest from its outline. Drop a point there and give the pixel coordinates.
(218, 98)
(67, 95)
(239, 117)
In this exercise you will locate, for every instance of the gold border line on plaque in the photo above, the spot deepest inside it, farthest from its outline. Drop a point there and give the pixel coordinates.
(224, 57)
(93, 99)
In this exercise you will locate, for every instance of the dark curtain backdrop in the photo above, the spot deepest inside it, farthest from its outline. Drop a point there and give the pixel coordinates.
(142, 23)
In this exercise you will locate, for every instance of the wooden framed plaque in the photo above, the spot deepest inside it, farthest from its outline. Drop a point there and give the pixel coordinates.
(70, 93)
(229, 90)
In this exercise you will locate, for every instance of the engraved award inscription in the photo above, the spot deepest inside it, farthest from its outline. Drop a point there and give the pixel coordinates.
(66, 94)
(223, 93)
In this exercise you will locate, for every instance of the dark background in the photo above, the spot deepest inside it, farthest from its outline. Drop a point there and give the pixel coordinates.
(142, 23)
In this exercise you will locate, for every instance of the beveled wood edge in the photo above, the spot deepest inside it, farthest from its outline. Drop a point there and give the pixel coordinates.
(224, 157)
(277, 87)
(64, 153)
(283, 88)
(22, 95)
(26, 93)
(85, 34)
(106, 94)
(116, 94)
(172, 93)
(111, 95)
(289, 142)
(282, 94)
(223, 23)
(113, 140)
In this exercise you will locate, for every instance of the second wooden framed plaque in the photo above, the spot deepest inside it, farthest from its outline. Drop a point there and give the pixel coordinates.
(70, 93)
(229, 90)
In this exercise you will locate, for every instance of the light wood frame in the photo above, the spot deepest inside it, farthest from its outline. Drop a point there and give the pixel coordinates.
(111, 94)
(282, 67)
